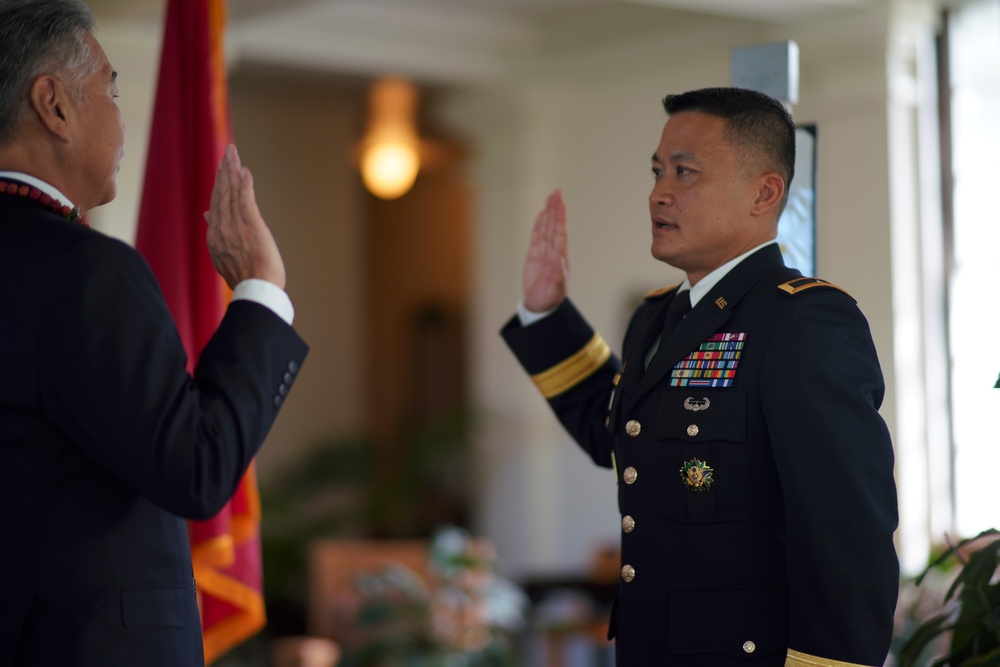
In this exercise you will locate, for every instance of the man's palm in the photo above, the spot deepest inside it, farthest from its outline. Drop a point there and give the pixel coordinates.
(546, 269)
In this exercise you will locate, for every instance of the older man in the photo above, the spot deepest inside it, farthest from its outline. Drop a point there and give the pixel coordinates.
(755, 475)
(105, 441)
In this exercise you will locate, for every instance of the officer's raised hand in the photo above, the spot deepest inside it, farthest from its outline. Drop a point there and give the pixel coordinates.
(546, 269)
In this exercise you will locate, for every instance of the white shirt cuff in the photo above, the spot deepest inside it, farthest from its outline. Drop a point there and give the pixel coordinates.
(266, 294)
(529, 316)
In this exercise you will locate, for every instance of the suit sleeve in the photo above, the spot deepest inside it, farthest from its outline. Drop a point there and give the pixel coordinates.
(574, 369)
(114, 380)
(821, 389)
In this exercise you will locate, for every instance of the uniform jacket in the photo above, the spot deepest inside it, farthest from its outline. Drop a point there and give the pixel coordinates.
(757, 497)
(106, 443)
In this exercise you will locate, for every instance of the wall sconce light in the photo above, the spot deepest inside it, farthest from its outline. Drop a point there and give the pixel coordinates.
(390, 149)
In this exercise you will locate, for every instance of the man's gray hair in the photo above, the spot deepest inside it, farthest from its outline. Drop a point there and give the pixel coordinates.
(40, 37)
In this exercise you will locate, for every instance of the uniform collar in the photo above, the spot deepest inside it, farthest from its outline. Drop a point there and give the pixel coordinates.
(706, 284)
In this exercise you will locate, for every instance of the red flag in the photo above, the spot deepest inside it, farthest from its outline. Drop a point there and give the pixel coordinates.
(189, 134)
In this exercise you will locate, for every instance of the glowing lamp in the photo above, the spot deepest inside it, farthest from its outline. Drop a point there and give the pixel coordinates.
(390, 149)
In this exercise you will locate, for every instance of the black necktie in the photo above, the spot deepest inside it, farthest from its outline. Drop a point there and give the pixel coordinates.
(678, 308)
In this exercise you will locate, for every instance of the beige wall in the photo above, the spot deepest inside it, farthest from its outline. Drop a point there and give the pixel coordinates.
(134, 51)
(297, 136)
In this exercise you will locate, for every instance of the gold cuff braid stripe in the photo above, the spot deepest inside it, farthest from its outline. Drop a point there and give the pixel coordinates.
(796, 659)
(572, 371)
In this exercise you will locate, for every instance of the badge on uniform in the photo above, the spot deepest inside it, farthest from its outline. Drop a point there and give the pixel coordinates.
(697, 475)
(713, 364)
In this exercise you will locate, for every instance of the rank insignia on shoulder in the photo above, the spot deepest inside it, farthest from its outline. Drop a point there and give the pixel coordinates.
(661, 292)
(697, 475)
(799, 285)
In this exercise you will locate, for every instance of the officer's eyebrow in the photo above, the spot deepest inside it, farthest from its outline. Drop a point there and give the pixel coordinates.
(677, 156)
(683, 156)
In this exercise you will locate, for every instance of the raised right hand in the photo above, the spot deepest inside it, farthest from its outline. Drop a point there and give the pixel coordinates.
(546, 269)
(239, 241)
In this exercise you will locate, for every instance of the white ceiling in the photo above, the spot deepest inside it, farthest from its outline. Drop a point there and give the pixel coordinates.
(452, 40)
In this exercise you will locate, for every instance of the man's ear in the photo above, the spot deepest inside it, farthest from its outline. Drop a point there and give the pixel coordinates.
(770, 191)
(49, 101)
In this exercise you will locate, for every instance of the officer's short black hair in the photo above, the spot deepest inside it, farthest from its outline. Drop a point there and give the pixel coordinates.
(757, 125)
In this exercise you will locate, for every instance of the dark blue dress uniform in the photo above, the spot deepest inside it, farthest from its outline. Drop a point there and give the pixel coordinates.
(755, 475)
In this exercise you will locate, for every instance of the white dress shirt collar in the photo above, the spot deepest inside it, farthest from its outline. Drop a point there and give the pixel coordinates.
(38, 183)
(706, 284)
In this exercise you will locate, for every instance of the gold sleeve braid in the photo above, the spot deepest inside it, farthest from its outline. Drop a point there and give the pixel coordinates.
(797, 659)
(573, 370)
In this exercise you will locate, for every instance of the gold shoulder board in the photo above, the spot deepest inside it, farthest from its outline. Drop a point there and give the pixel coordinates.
(660, 292)
(800, 285)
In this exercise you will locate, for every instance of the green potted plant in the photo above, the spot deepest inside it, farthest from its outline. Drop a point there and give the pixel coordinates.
(968, 626)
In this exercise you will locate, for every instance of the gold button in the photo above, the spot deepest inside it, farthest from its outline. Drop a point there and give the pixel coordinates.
(633, 427)
(749, 647)
(628, 523)
(628, 573)
(693, 430)
(630, 474)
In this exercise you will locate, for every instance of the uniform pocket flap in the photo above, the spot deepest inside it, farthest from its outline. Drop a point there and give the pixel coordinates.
(697, 416)
(745, 624)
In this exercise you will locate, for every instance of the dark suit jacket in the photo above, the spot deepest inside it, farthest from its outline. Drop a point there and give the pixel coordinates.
(787, 547)
(106, 443)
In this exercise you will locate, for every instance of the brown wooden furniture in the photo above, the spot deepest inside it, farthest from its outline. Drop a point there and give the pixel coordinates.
(333, 566)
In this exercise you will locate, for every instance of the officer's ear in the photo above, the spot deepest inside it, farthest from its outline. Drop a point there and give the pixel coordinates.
(49, 100)
(770, 190)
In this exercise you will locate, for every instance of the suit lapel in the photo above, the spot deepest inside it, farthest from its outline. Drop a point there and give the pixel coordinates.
(708, 316)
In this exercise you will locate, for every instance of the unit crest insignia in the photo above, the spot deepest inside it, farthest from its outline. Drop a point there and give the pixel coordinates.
(697, 475)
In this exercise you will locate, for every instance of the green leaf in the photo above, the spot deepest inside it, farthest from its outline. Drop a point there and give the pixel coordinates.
(913, 649)
(949, 659)
(954, 551)
(979, 569)
(965, 639)
(991, 659)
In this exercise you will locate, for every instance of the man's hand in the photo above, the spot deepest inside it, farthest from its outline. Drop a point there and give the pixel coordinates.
(546, 270)
(239, 241)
